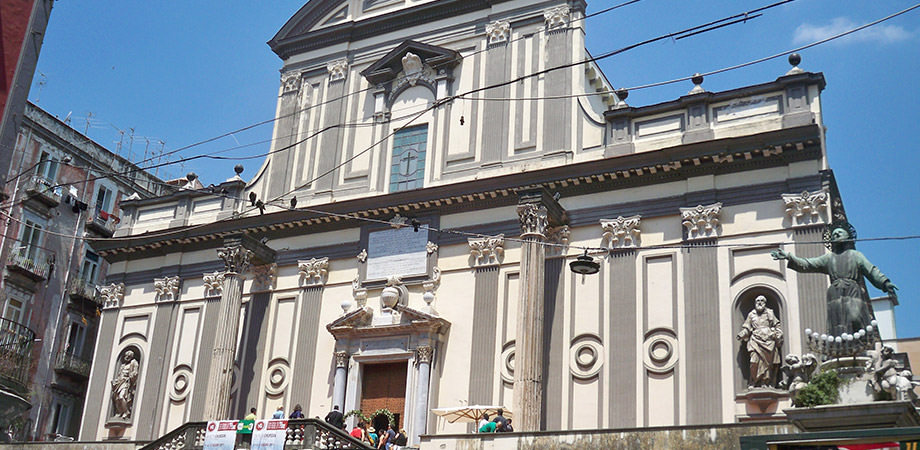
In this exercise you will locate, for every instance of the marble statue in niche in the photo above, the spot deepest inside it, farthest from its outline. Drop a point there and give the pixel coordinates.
(764, 337)
(124, 386)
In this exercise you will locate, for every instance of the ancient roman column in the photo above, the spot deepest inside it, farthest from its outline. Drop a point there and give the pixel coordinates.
(236, 260)
(537, 212)
(420, 424)
(341, 375)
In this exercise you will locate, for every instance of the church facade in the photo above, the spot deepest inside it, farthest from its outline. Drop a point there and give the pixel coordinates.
(406, 245)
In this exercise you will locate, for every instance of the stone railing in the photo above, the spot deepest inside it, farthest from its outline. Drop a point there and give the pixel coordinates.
(15, 354)
(301, 434)
(81, 289)
(102, 223)
(32, 263)
(72, 364)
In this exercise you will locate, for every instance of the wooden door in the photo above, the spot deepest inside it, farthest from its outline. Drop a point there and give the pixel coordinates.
(384, 386)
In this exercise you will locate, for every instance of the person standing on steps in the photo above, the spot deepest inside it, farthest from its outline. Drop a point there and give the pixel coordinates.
(336, 418)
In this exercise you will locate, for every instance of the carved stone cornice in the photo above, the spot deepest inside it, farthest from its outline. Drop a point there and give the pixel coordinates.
(498, 32)
(213, 283)
(313, 272)
(112, 295)
(167, 289)
(557, 17)
(559, 238)
(701, 222)
(341, 359)
(807, 208)
(337, 70)
(488, 250)
(534, 220)
(236, 258)
(622, 232)
(423, 354)
(264, 276)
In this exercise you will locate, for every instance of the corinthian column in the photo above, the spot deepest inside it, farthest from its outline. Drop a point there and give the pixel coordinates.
(236, 260)
(537, 212)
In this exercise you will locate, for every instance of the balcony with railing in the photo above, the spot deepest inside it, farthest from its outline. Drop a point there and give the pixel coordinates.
(31, 262)
(43, 190)
(71, 364)
(15, 355)
(102, 223)
(82, 290)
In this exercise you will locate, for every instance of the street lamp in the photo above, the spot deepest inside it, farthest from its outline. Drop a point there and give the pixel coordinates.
(584, 265)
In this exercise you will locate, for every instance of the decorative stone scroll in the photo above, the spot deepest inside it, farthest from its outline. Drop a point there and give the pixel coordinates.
(807, 208)
(622, 232)
(431, 248)
(430, 286)
(359, 293)
(557, 17)
(112, 295)
(290, 82)
(701, 222)
(498, 32)
(362, 257)
(264, 276)
(213, 284)
(423, 354)
(337, 70)
(167, 289)
(534, 219)
(313, 272)
(236, 258)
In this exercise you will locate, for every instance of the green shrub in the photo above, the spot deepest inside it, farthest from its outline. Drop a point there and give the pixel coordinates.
(821, 390)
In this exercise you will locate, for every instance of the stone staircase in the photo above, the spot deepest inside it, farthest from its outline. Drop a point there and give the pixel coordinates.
(301, 434)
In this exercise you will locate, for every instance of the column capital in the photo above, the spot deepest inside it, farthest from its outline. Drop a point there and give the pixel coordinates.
(538, 210)
(341, 358)
(236, 258)
(423, 354)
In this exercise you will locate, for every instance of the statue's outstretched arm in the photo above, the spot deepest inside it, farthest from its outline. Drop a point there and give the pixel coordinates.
(797, 264)
(875, 276)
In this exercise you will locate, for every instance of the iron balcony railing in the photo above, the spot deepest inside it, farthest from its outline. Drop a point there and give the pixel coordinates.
(33, 262)
(301, 434)
(70, 363)
(15, 354)
(44, 190)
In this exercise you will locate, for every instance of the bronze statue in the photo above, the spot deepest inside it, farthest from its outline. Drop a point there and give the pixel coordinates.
(124, 386)
(764, 338)
(848, 308)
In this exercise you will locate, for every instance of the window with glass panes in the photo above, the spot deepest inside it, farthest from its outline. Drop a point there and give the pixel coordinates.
(408, 167)
(30, 235)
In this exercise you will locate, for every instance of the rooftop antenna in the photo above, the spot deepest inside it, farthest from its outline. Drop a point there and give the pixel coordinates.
(130, 143)
(42, 81)
(89, 117)
(121, 140)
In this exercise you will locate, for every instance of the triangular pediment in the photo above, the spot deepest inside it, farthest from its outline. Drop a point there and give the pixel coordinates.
(388, 67)
(360, 323)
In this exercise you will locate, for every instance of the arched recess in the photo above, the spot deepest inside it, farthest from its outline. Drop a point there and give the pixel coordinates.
(126, 388)
(742, 305)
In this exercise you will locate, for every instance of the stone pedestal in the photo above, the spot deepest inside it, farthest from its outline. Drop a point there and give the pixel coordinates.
(854, 416)
(762, 404)
(854, 381)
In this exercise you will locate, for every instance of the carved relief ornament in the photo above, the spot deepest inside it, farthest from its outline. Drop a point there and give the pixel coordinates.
(423, 354)
(313, 272)
(264, 276)
(622, 232)
(341, 359)
(337, 70)
(487, 250)
(498, 31)
(557, 17)
(806, 208)
(167, 289)
(213, 284)
(701, 222)
(112, 295)
(534, 219)
(558, 240)
(236, 258)
(290, 82)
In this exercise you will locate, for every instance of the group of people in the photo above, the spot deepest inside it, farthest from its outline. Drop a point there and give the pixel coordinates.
(297, 413)
(497, 425)
(387, 439)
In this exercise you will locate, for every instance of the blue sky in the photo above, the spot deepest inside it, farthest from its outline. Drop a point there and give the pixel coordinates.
(183, 71)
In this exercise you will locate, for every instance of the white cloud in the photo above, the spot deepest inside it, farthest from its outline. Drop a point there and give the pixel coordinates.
(881, 33)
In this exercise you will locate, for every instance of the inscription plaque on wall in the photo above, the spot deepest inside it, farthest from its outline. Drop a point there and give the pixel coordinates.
(398, 251)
